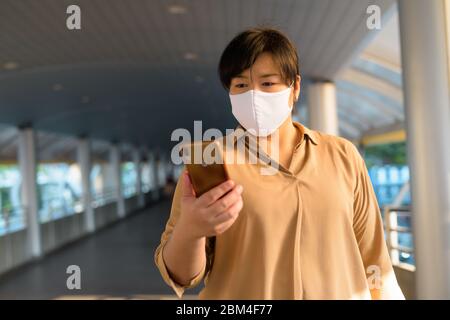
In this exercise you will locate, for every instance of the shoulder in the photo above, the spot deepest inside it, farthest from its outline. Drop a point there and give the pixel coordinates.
(329, 144)
(341, 151)
(336, 144)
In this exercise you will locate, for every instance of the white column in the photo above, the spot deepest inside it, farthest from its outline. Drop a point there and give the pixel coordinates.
(162, 170)
(117, 176)
(84, 161)
(427, 107)
(27, 164)
(150, 168)
(138, 165)
(154, 184)
(322, 107)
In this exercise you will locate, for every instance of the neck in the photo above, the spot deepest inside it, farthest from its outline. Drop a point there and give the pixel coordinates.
(288, 137)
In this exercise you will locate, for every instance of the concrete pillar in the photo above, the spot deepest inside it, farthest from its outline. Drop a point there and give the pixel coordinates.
(117, 176)
(322, 107)
(85, 163)
(138, 166)
(27, 165)
(162, 170)
(424, 50)
(154, 185)
(151, 171)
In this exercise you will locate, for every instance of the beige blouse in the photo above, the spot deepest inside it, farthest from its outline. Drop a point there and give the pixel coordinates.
(310, 231)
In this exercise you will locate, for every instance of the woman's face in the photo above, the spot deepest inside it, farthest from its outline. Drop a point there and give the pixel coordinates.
(265, 76)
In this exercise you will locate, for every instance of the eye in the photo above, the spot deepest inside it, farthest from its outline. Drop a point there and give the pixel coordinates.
(268, 84)
(240, 85)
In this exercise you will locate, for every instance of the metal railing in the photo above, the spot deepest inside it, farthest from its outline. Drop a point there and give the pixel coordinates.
(397, 226)
(146, 187)
(59, 207)
(108, 195)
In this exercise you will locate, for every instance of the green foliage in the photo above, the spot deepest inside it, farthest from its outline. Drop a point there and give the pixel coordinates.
(382, 154)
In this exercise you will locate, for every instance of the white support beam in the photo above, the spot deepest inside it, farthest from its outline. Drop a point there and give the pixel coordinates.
(373, 83)
(27, 164)
(85, 164)
(138, 166)
(154, 185)
(117, 177)
(161, 170)
(375, 104)
(426, 90)
(322, 107)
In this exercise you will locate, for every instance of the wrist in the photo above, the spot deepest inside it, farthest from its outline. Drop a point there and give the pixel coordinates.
(184, 232)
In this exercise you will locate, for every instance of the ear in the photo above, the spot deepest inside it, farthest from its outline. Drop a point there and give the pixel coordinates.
(297, 83)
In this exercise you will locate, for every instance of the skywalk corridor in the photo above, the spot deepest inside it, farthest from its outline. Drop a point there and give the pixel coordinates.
(116, 262)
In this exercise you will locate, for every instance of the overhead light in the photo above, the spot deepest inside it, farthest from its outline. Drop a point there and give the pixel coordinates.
(190, 56)
(176, 9)
(10, 65)
(85, 99)
(57, 87)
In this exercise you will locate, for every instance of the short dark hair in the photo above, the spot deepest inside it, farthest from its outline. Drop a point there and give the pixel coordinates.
(242, 52)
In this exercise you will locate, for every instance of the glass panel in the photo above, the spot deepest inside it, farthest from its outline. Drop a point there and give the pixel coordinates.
(129, 178)
(102, 183)
(58, 177)
(146, 183)
(12, 214)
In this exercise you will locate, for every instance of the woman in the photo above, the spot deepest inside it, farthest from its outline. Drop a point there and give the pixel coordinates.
(311, 230)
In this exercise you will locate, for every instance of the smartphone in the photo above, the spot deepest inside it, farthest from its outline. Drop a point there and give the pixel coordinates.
(204, 162)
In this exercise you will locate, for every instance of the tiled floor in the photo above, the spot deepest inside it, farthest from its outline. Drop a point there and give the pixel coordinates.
(116, 263)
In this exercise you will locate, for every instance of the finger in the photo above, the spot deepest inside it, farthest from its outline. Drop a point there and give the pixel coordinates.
(229, 214)
(187, 189)
(226, 201)
(215, 193)
(224, 226)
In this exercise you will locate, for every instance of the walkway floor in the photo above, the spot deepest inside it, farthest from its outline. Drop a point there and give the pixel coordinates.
(116, 263)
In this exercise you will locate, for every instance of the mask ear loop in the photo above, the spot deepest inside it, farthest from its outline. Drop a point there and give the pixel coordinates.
(295, 99)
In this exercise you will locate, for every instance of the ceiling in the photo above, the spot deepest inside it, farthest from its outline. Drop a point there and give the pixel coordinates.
(385, 47)
(136, 71)
(370, 90)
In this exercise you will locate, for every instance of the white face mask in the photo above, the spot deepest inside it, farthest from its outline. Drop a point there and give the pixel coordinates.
(261, 113)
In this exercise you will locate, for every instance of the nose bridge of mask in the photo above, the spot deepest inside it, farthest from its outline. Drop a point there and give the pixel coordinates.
(271, 108)
(254, 106)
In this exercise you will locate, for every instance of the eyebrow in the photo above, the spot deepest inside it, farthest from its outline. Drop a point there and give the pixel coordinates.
(261, 76)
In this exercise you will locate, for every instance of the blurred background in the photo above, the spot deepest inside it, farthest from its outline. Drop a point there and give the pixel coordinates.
(86, 117)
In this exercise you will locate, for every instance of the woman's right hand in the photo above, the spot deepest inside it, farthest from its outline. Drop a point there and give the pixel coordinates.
(210, 214)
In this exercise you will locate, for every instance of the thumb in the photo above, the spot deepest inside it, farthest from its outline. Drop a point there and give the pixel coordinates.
(188, 190)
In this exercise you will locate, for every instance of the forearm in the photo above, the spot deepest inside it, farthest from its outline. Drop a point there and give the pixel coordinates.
(184, 256)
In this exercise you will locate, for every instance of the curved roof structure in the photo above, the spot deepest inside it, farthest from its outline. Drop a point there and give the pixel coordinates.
(135, 73)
